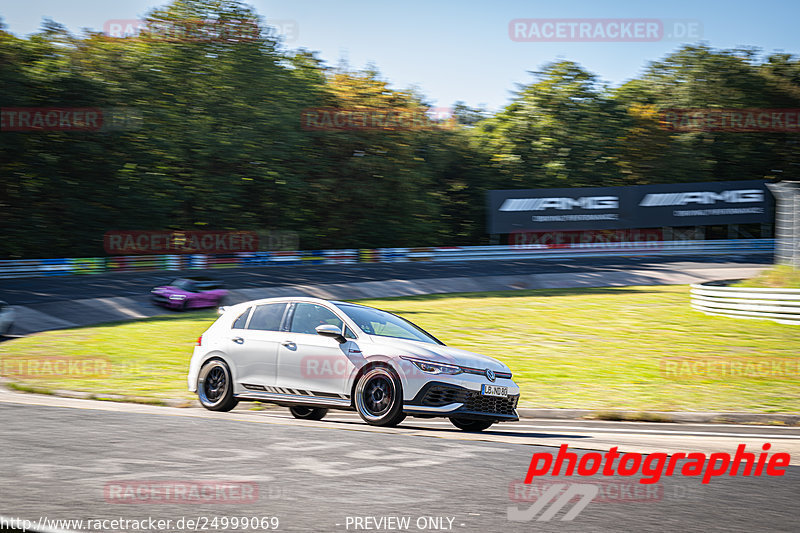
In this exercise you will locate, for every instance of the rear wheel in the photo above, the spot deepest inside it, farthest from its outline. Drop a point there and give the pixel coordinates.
(308, 413)
(215, 386)
(379, 397)
(466, 424)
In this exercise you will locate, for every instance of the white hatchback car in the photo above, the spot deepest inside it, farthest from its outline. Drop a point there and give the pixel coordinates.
(310, 355)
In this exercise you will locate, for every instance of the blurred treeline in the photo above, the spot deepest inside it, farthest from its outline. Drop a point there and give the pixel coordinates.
(220, 144)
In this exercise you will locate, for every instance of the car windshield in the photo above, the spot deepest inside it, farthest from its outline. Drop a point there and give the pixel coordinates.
(383, 324)
(184, 285)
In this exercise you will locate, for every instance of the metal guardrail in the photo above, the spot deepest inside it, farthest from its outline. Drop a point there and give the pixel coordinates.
(96, 265)
(780, 305)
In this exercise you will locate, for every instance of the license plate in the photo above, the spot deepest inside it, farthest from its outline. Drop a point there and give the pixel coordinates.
(494, 390)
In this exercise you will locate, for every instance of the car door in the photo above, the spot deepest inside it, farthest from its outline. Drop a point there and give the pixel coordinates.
(310, 363)
(254, 339)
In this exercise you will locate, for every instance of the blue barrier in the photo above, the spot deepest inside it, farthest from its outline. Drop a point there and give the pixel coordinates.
(93, 265)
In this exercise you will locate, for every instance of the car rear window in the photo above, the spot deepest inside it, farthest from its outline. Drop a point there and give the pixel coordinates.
(242, 320)
(267, 317)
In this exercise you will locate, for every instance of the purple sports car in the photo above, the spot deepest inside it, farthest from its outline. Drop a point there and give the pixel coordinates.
(189, 293)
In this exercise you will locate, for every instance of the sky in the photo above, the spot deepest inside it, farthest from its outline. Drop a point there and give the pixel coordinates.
(452, 50)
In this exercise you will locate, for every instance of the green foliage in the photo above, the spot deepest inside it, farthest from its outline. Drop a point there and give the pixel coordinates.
(219, 142)
(777, 277)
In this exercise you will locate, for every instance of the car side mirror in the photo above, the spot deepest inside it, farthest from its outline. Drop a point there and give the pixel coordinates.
(329, 330)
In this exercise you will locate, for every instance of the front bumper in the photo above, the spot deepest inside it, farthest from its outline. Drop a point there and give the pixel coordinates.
(438, 398)
(164, 301)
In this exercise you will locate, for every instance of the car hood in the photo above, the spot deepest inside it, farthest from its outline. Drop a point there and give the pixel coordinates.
(435, 352)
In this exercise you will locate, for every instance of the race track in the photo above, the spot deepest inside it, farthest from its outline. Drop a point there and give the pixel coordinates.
(72, 301)
(63, 456)
(43, 290)
(84, 460)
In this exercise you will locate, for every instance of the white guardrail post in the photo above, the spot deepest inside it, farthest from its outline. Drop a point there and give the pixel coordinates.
(780, 305)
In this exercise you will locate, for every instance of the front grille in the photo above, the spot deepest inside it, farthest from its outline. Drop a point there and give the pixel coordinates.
(482, 372)
(439, 395)
(477, 402)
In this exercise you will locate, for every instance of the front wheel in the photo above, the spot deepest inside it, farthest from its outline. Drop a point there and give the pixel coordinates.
(466, 424)
(379, 397)
(215, 386)
(308, 413)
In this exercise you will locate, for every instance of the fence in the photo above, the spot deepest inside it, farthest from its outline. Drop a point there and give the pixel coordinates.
(97, 265)
(780, 305)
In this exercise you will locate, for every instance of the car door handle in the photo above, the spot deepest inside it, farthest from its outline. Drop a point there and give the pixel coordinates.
(238, 340)
(288, 343)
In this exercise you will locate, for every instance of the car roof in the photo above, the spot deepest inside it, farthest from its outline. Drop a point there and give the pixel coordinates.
(285, 298)
(275, 299)
(339, 302)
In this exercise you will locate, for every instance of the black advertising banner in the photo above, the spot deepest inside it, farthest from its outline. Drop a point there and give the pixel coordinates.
(548, 209)
(702, 204)
(638, 206)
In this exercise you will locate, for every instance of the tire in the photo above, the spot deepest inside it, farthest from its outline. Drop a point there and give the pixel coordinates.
(215, 386)
(466, 424)
(379, 397)
(308, 413)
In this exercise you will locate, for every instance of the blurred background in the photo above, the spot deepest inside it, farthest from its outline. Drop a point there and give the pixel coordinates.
(204, 102)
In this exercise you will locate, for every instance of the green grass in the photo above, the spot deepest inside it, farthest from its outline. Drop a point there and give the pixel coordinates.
(600, 348)
(781, 277)
(148, 358)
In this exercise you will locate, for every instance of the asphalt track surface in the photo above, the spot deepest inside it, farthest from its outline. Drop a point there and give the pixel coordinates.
(60, 456)
(26, 291)
(63, 457)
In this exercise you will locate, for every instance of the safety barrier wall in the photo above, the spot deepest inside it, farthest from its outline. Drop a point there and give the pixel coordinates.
(96, 265)
(780, 305)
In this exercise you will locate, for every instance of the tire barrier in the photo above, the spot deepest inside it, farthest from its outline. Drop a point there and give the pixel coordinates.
(369, 256)
(717, 298)
(420, 254)
(95, 265)
(340, 257)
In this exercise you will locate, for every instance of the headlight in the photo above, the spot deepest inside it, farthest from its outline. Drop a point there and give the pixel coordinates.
(434, 368)
(178, 297)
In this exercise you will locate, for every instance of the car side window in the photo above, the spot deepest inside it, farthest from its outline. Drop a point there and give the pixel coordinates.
(348, 334)
(308, 316)
(267, 317)
(242, 320)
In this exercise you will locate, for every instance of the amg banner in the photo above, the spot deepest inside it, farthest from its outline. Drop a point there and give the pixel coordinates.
(637, 206)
